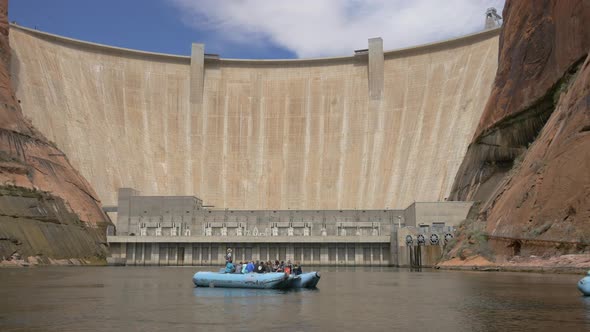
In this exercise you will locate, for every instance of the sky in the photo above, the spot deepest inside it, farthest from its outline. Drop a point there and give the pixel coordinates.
(255, 29)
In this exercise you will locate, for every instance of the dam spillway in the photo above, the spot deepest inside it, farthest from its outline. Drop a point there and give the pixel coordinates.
(373, 130)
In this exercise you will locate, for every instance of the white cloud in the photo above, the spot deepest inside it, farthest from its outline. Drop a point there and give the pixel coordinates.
(312, 28)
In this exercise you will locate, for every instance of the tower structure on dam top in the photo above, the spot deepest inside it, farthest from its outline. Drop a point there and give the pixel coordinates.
(493, 20)
(378, 129)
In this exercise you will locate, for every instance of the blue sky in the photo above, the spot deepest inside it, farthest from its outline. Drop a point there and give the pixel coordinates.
(150, 25)
(254, 28)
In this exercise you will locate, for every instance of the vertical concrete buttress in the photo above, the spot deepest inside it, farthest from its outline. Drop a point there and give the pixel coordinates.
(197, 78)
(124, 209)
(196, 86)
(376, 68)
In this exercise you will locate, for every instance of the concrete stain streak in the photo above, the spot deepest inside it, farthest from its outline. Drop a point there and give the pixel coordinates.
(343, 145)
(307, 140)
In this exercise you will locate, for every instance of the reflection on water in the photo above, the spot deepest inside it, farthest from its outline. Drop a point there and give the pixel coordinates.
(368, 299)
(246, 293)
(585, 301)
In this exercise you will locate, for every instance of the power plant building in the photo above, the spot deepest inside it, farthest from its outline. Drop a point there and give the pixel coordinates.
(178, 230)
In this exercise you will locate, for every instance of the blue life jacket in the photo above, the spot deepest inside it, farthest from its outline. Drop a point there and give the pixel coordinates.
(250, 267)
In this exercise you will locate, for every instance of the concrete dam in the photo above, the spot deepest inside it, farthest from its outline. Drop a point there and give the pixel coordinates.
(369, 131)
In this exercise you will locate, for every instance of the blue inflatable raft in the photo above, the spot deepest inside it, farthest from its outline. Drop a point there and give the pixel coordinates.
(275, 280)
(584, 285)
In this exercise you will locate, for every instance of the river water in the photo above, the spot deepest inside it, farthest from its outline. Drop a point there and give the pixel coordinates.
(367, 299)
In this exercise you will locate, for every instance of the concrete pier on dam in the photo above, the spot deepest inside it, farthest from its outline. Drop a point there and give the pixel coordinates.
(370, 131)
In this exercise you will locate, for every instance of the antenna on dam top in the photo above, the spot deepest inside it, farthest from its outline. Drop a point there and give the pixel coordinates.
(493, 20)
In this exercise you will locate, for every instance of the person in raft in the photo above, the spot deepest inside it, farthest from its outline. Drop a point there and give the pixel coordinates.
(238, 268)
(261, 268)
(250, 267)
(229, 267)
(289, 267)
(245, 268)
(297, 269)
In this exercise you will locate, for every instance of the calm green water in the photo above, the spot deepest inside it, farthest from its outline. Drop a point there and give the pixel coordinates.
(378, 299)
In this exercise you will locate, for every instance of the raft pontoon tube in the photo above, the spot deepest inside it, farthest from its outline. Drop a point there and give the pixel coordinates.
(275, 280)
(584, 285)
(305, 280)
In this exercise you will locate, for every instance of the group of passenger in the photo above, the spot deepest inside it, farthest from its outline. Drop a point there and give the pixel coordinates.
(263, 267)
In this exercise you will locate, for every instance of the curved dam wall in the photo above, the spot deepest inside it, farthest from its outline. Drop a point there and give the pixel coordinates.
(374, 130)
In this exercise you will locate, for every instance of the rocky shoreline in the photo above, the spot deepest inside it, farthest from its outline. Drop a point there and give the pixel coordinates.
(17, 261)
(564, 264)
